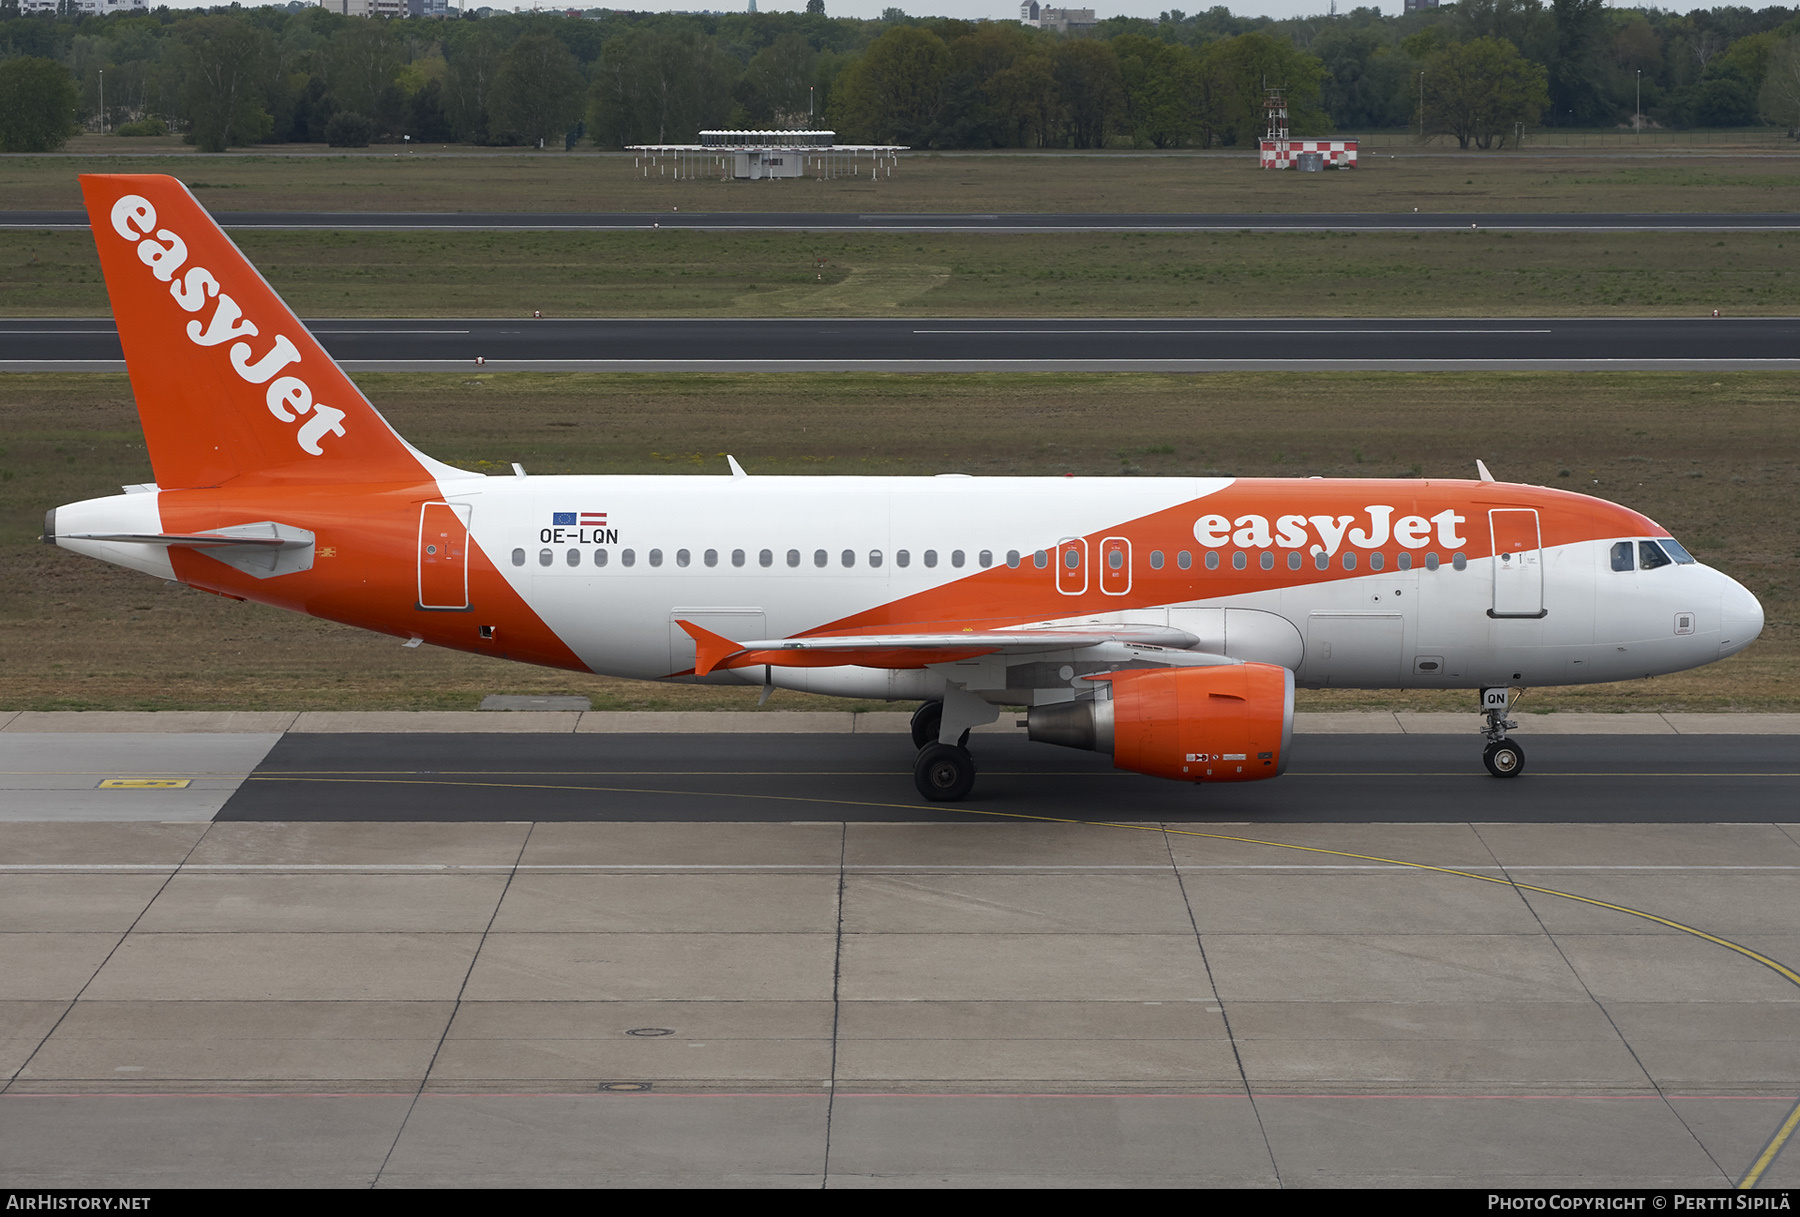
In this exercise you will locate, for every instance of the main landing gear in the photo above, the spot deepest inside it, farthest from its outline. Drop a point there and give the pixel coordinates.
(944, 773)
(1503, 757)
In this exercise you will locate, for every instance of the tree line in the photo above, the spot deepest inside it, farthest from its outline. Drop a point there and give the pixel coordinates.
(1482, 71)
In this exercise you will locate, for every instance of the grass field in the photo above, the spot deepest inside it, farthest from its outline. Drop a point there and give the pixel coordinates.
(1715, 457)
(667, 273)
(1752, 173)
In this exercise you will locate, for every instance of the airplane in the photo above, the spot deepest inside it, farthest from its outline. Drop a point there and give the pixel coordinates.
(1165, 621)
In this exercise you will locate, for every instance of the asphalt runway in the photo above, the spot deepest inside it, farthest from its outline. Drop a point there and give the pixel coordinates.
(806, 221)
(868, 779)
(973, 344)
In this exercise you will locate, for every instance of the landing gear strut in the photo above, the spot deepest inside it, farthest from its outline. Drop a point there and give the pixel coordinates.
(925, 723)
(1503, 757)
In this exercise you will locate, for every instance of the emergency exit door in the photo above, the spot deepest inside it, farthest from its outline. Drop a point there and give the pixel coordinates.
(1518, 563)
(443, 556)
(1072, 566)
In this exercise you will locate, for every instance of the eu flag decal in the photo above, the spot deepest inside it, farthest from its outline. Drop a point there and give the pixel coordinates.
(563, 519)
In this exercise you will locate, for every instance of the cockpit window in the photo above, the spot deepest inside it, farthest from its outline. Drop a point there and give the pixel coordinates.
(1621, 556)
(1651, 556)
(1676, 552)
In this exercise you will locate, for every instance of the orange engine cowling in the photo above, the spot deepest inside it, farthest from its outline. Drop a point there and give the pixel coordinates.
(1214, 724)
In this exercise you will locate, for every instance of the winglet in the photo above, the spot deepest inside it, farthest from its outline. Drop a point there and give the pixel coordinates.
(710, 649)
(737, 470)
(1482, 469)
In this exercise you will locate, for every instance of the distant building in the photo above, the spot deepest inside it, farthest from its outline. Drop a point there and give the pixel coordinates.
(439, 9)
(367, 8)
(1412, 5)
(1063, 20)
(87, 8)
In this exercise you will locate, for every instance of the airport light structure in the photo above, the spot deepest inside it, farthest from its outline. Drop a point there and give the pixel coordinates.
(755, 155)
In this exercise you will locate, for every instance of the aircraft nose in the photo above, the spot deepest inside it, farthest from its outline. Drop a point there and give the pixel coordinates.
(1740, 617)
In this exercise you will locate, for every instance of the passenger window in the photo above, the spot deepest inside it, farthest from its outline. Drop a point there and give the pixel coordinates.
(1651, 556)
(764, 558)
(1268, 560)
(1156, 559)
(1322, 561)
(1239, 560)
(820, 557)
(599, 557)
(628, 557)
(656, 557)
(956, 558)
(1040, 558)
(1431, 561)
(711, 558)
(1675, 551)
(1404, 561)
(1349, 561)
(518, 557)
(1376, 561)
(1460, 561)
(1012, 558)
(682, 557)
(986, 558)
(874, 557)
(1116, 559)
(1072, 558)
(1212, 560)
(573, 557)
(848, 557)
(931, 557)
(1184, 559)
(737, 558)
(545, 557)
(1621, 556)
(902, 558)
(793, 557)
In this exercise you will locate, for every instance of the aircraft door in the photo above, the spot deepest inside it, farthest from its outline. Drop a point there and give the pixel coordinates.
(1115, 566)
(1518, 563)
(1071, 566)
(443, 556)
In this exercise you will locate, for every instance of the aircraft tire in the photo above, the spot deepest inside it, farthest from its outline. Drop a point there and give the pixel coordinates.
(1504, 758)
(944, 774)
(925, 722)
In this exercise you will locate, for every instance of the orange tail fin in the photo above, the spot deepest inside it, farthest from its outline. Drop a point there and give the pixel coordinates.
(229, 384)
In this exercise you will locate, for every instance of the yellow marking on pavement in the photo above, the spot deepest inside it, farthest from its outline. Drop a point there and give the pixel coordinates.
(145, 783)
(1766, 1159)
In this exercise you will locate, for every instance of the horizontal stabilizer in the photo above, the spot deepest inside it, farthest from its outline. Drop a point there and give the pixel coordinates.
(188, 540)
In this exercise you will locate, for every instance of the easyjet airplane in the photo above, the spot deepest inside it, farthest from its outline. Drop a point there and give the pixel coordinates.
(1165, 621)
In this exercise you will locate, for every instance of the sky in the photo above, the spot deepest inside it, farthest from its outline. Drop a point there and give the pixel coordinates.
(973, 10)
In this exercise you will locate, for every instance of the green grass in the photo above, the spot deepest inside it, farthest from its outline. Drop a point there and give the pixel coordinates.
(1557, 171)
(1715, 457)
(670, 273)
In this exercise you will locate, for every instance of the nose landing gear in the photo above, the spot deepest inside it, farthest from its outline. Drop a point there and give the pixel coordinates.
(1503, 757)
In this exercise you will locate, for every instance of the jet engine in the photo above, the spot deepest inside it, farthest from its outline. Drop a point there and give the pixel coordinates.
(1203, 724)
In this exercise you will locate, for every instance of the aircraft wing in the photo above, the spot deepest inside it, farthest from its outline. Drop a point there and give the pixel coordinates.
(713, 651)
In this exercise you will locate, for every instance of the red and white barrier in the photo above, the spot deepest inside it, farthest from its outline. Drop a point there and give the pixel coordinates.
(1281, 153)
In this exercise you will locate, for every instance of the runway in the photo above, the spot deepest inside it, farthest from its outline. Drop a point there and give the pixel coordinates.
(923, 222)
(868, 779)
(969, 344)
